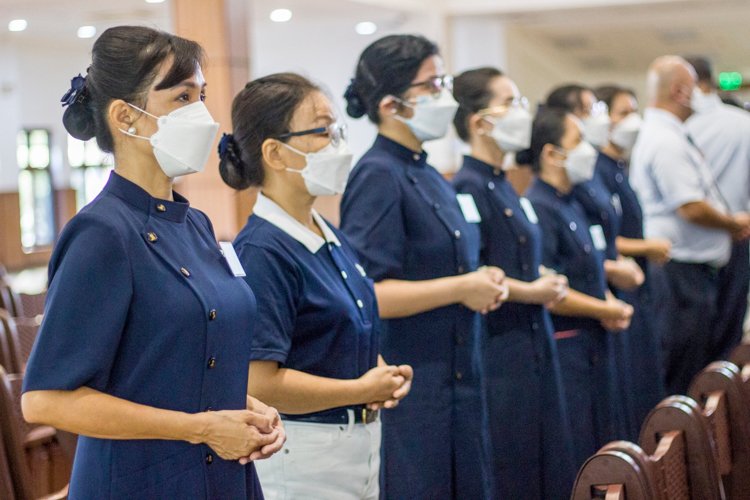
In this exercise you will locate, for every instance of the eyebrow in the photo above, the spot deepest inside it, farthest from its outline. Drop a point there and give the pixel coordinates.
(191, 85)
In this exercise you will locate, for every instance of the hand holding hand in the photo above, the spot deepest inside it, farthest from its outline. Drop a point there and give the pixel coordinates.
(484, 290)
(659, 250)
(236, 434)
(274, 418)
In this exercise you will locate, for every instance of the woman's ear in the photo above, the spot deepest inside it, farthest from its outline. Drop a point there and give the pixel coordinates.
(549, 154)
(478, 125)
(121, 115)
(271, 150)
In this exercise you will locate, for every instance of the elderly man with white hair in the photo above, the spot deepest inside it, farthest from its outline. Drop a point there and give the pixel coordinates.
(682, 202)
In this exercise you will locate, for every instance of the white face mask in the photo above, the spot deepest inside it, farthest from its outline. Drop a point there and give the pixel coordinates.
(512, 132)
(596, 129)
(326, 171)
(580, 162)
(625, 133)
(184, 140)
(698, 100)
(432, 117)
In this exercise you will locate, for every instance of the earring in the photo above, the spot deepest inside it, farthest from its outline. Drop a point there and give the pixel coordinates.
(131, 130)
(393, 111)
(480, 131)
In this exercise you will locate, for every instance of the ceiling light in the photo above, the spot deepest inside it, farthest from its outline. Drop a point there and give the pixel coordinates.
(17, 25)
(86, 32)
(366, 28)
(281, 15)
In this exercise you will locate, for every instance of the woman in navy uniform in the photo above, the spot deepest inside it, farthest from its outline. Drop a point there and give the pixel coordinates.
(404, 219)
(611, 168)
(531, 440)
(315, 351)
(146, 337)
(584, 320)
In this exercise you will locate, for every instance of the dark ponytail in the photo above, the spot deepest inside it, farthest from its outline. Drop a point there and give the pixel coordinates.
(262, 110)
(125, 62)
(472, 91)
(548, 128)
(386, 67)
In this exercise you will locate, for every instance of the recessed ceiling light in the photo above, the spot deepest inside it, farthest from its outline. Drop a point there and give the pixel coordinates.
(86, 32)
(281, 15)
(154, 1)
(366, 28)
(17, 25)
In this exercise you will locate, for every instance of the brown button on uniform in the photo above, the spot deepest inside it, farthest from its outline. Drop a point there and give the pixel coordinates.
(211, 362)
(161, 208)
(458, 375)
(209, 459)
(184, 271)
(212, 314)
(152, 237)
(522, 240)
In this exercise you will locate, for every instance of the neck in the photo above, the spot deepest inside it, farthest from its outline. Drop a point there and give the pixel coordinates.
(557, 178)
(680, 111)
(296, 204)
(613, 151)
(490, 154)
(146, 174)
(400, 133)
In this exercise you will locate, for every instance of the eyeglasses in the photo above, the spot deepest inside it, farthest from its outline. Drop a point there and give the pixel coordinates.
(519, 102)
(599, 108)
(337, 132)
(436, 84)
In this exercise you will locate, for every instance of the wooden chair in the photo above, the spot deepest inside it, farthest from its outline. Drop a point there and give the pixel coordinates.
(13, 360)
(37, 465)
(741, 357)
(32, 305)
(6, 299)
(6, 480)
(27, 329)
(683, 415)
(619, 471)
(731, 436)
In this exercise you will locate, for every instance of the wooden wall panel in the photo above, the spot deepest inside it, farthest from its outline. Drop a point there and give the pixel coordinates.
(205, 22)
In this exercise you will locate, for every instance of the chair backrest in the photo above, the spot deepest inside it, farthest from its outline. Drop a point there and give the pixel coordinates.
(13, 362)
(6, 479)
(741, 355)
(680, 413)
(32, 305)
(731, 436)
(619, 471)
(13, 431)
(6, 301)
(27, 329)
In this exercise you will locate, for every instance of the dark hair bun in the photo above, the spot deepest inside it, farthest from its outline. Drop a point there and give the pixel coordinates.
(354, 105)
(79, 121)
(231, 167)
(524, 157)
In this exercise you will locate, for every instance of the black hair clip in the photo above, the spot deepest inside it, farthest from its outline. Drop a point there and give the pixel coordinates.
(228, 149)
(350, 92)
(76, 91)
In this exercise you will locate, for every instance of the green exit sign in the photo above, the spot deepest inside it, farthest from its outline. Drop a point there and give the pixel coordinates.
(730, 81)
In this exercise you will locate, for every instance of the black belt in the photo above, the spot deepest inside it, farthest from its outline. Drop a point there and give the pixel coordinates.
(340, 416)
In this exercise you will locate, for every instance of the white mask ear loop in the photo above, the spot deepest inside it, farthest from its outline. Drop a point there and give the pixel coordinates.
(131, 134)
(296, 151)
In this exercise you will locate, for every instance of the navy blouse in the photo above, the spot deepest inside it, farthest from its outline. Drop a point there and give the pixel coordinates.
(318, 314)
(600, 209)
(568, 248)
(142, 306)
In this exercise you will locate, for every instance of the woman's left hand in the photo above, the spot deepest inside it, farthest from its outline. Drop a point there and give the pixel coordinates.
(261, 408)
(405, 371)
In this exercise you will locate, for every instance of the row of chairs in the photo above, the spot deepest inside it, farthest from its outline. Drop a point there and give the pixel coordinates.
(694, 447)
(35, 460)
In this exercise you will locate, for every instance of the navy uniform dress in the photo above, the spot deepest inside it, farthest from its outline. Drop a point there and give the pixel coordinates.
(403, 218)
(584, 347)
(532, 446)
(319, 314)
(142, 306)
(646, 359)
(603, 210)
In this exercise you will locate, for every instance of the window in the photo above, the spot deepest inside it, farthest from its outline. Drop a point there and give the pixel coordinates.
(35, 194)
(91, 168)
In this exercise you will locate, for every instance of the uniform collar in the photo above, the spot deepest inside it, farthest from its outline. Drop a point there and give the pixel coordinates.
(401, 152)
(267, 209)
(133, 194)
(550, 190)
(485, 169)
(665, 119)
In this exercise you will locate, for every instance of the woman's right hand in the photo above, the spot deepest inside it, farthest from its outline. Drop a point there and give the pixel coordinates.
(380, 383)
(483, 290)
(551, 289)
(234, 434)
(617, 315)
(659, 250)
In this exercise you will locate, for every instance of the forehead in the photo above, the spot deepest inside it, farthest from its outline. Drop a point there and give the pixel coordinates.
(166, 67)
(432, 66)
(624, 100)
(503, 87)
(316, 105)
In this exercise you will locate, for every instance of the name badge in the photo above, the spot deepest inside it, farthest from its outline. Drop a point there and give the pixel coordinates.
(227, 250)
(528, 209)
(469, 208)
(617, 203)
(597, 235)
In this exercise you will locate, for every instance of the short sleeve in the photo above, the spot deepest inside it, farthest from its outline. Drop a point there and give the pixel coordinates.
(274, 280)
(677, 176)
(550, 238)
(372, 219)
(90, 290)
